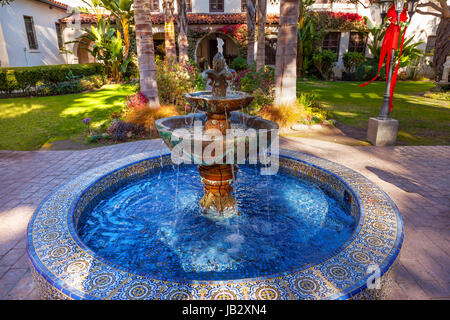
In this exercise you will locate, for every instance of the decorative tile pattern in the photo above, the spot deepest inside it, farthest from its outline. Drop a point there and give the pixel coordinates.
(64, 268)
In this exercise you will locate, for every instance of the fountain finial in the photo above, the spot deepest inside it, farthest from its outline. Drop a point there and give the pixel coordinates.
(220, 74)
(220, 45)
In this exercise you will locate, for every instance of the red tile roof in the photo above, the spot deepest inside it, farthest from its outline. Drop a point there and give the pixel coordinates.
(193, 18)
(55, 3)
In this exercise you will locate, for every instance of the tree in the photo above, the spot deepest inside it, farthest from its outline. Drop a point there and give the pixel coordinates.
(122, 11)
(286, 57)
(146, 52)
(261, 40)
(442, 47)
(251, 25)
(169, 30)
(107, 47)
(183, 43)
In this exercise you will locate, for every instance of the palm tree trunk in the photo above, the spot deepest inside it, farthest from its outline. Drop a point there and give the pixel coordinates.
(146, 52)
(251, 25)
(261, 44)
(169, 30)
(182, 32)
(301, 24)
(286, 58)
(442, 46)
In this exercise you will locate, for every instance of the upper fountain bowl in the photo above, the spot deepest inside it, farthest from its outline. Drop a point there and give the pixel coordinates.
(207, 102)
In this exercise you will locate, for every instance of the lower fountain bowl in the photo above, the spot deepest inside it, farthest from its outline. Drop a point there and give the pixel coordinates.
(64, 267)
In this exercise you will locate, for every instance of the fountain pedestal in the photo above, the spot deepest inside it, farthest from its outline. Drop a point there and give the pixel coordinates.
(217, 179)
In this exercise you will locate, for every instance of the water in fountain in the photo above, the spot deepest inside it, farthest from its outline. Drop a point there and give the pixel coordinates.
(304, 224)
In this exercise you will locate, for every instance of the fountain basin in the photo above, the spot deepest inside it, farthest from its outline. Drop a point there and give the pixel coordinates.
(175, 130)
(207, 102)
(64, 267)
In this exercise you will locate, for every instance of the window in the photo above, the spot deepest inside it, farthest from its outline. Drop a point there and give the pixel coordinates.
(188, 5)
(216, 6)
(431, 43)
(243, 5)
(357, 42)
(154, 5)
(31, 33)
(59, 35)
(331, 42)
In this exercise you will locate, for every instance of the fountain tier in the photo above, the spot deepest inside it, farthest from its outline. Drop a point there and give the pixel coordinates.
(217, 173)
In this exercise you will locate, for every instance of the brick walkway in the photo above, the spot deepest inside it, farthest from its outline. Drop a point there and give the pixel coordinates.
(416, 178)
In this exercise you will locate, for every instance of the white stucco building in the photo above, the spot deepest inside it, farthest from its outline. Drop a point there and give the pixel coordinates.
(28, 33)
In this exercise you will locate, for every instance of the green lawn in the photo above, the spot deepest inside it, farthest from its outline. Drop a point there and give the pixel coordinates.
(422, 120)
(28, 123)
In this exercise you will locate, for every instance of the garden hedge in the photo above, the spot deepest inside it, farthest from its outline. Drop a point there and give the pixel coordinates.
(28, 78)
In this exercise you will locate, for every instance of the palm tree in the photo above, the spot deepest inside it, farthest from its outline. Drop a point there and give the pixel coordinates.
(261, 41)
(251, 25)
(286, 58)
(169, 30)
(182, 32)
(440, 9)
(146, 52)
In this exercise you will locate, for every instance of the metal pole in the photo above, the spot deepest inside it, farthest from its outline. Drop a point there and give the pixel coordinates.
(385, 112)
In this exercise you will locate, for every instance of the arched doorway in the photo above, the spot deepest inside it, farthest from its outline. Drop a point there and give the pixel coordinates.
(207, 49)
(82, 54)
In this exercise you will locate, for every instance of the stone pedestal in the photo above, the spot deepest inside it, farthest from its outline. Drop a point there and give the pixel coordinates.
(382, 132)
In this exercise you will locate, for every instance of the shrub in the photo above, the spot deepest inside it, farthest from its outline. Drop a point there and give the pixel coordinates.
(324, 61)
(250, 80)
(145, 117)
(260, 100)
(305, 110)
(352, 60)
(173, 80)
(120, 130)
(137, 112)
(367, 71)
(239, 64)
(28, 78)
(72, 86)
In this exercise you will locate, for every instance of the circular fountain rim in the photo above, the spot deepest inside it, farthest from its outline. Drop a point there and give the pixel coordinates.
(62, 202)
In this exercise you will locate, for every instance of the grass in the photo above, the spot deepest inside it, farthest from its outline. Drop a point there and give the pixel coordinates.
(28, 123)
(423, 120)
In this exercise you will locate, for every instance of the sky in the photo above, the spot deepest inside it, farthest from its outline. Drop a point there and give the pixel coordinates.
(74, 3)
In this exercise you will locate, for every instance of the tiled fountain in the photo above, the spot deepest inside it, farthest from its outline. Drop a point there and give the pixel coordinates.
(148, 227)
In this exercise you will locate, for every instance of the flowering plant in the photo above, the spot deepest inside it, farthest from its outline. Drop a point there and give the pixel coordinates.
(174, 79)
(87, 122)
(342, 21)
(137, 100)
(237, 31)
(250, 79)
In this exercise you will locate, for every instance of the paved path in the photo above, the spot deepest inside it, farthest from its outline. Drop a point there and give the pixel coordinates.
(416, 178)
